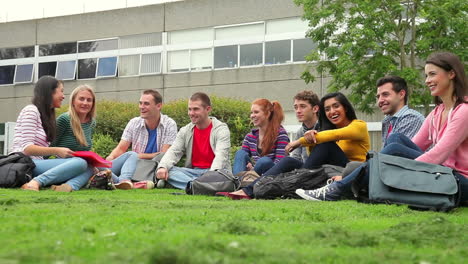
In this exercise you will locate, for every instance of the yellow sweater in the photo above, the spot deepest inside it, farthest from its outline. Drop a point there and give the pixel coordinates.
(353, 139)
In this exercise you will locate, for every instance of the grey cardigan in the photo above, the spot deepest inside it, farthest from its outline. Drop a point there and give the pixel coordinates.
(220, 141)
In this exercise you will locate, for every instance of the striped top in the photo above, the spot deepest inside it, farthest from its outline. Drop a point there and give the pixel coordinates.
(29, 130)
(66, 138)
(250, 145)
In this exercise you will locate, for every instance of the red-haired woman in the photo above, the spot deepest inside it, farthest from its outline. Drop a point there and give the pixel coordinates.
(264, 146)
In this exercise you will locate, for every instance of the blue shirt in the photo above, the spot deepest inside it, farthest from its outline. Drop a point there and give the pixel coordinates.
(152, 146)
(406, 121)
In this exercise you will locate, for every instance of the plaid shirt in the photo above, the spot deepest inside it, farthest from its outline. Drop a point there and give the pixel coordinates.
(136, 133)
(406, 121)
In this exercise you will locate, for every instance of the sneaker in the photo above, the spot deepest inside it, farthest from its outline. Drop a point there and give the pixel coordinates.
(143, 185)
(161, 184)
(329, 192)
(124, 185)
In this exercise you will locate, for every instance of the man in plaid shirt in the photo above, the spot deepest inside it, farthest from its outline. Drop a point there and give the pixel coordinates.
(150, 134)
(392, 99)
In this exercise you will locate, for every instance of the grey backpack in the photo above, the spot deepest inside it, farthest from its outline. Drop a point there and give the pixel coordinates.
(211, 182)
(397, 180)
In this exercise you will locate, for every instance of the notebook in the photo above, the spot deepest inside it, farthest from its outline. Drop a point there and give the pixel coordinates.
(93, 159)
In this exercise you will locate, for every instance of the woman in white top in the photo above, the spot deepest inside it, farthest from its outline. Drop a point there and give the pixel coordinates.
(35, 129)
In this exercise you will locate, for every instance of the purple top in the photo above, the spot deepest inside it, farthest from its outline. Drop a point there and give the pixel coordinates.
(250, 145)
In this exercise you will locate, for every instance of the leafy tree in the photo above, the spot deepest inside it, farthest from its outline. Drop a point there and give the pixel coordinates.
(359, 41)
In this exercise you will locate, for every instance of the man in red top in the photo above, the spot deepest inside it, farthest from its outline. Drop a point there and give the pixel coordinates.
(205, 142)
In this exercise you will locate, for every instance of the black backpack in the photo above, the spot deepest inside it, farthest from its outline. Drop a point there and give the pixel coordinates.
(284, 185)
(15, 170)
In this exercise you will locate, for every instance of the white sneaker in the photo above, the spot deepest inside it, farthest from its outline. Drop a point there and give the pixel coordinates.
(329, 192)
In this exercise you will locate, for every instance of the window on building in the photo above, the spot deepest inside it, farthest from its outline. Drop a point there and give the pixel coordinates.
(98, 45)
(129, 65)
(57, 49)
(107, 67)
(251, 54)
(302, 48)
(201, 59)
(150, 63)
(87, 68)
(47, 68)
(66, 70)
(190, 36)
(286, 25)
(24, 73)
(16, 53)
(141, 40)
(7, 73)
(225, 57)
(277, 52)
(178, 61)
(240, 32)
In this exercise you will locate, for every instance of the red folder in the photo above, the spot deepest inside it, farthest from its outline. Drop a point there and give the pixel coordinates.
(93, 159)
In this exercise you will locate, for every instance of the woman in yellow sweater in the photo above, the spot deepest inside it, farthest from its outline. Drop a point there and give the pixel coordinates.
(342, 137)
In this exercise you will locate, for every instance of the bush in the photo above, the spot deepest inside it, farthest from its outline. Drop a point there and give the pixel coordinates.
(112, 117)
(103, 144)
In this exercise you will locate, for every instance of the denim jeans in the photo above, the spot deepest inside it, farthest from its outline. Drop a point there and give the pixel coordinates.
(242, 158)
(179, 177)
(124, 166)
(72, 171)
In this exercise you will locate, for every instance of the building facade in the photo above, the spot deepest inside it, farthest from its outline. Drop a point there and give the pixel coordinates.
(245, 49)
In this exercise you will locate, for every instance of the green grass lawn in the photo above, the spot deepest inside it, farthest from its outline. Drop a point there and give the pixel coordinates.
(155, 226)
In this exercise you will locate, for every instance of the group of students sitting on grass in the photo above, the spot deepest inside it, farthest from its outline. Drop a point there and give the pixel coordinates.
(330, 134)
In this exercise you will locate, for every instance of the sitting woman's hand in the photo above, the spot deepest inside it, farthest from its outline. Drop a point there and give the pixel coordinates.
(292, 146)
(63, 152)
(310, 136)
(249, 166)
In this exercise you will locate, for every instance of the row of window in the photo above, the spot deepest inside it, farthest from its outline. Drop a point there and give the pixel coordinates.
(246, 45)
(231, 56)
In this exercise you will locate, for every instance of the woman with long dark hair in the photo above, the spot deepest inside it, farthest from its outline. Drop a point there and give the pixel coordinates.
(342, 137)
(35, 129)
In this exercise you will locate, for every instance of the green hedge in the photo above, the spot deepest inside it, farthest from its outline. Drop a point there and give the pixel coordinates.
(112, 117)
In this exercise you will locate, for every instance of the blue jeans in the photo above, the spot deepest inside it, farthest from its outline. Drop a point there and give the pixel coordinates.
(124, 166)
(242, 158)
(72, 171)
(179, 177)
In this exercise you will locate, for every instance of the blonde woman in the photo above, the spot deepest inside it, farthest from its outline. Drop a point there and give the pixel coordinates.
(75, 128)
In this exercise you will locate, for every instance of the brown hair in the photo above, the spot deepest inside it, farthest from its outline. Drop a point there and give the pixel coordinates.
(308, 96)
(203, 97)
(156, 95)
(451, 62)
(274, 123)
